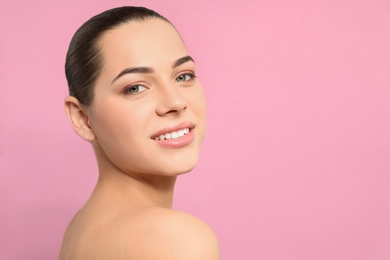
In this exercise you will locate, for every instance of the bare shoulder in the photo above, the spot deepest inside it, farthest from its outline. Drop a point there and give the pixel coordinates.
(148, 233)
(160, 233)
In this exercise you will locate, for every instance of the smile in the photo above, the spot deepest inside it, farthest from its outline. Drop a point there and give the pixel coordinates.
(175, 136)
(172, 135)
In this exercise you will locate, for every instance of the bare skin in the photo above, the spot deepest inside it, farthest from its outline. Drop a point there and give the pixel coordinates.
(129, 214)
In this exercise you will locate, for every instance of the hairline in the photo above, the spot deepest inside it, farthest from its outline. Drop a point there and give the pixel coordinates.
(98, 46)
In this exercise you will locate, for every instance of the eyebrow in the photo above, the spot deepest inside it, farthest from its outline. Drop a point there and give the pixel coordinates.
(148, 70)
(182, 60)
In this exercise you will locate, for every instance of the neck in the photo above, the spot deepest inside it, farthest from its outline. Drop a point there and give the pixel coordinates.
(138, 189)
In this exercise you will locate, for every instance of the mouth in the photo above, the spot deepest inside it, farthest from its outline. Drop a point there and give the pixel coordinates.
(173, 134)
(177, 135)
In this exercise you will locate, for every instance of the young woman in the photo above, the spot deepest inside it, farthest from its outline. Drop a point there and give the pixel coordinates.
(135, 97)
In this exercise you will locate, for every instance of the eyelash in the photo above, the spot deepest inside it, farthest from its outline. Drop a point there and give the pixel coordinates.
(191, 76)
(127, 90)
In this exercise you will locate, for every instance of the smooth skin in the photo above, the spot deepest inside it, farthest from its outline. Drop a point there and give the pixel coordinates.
(129, 214)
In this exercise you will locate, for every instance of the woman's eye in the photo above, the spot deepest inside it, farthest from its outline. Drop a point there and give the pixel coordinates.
(135, 89)
(185, 77)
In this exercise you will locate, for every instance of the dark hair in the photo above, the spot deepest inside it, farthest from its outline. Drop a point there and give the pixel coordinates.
(83, 60)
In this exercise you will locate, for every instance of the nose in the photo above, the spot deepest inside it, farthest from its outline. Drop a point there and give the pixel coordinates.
(171, 102)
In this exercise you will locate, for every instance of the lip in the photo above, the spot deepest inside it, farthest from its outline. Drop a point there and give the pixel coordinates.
(178, 142)
(173, 128)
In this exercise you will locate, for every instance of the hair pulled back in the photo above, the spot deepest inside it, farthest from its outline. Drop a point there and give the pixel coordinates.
(84, 60)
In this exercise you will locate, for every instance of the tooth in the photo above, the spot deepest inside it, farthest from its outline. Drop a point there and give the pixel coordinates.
(174, 135)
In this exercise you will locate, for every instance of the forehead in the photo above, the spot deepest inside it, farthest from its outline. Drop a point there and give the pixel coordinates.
(138, 43)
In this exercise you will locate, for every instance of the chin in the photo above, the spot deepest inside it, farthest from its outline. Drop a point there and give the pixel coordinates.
(186, 170)
(178, 167)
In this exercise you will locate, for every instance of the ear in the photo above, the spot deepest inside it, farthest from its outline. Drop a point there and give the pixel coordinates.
(78, 118)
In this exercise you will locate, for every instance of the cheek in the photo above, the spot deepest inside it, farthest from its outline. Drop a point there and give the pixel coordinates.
(197, 101)
(117, 119)
(119, 127)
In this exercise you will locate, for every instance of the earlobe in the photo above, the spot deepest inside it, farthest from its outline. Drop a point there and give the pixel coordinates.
(78, 118)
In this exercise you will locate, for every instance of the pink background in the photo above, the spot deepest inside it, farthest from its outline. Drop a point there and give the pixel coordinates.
(296, 161)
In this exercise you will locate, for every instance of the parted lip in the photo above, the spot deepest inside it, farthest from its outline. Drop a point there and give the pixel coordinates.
(173, 128)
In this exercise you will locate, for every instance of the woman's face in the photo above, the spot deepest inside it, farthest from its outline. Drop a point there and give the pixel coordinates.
(148, 111)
